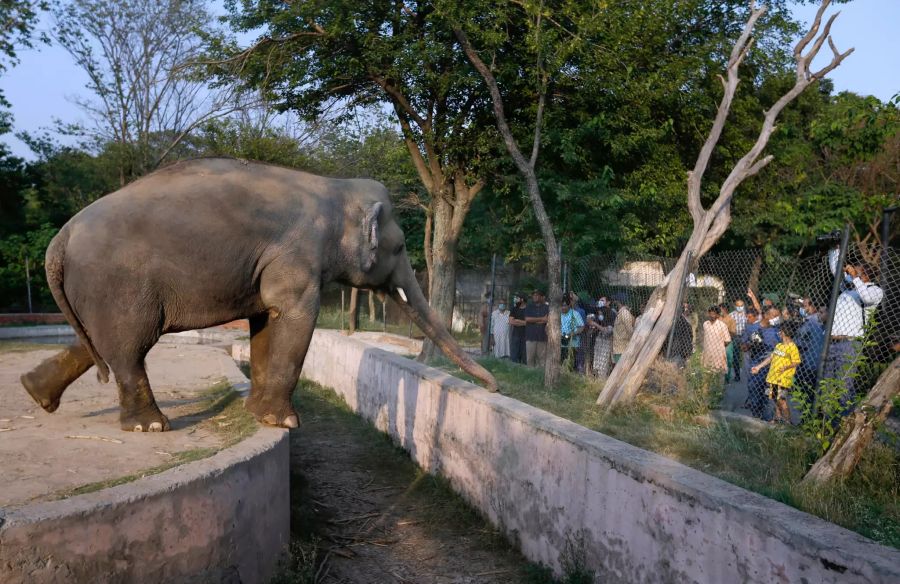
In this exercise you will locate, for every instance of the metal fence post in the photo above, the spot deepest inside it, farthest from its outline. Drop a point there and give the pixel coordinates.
(886, 216)
(486, 341)
(832, 303)
(684, 275)
(342, 307)
(28, 283)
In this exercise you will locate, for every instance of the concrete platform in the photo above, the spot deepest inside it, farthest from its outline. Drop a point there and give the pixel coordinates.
(223, 518)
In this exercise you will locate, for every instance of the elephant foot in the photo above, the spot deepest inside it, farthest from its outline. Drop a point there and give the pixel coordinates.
(148, 421)
(282, 416)
(46, 392)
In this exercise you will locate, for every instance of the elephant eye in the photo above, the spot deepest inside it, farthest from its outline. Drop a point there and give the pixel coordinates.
(398, 249)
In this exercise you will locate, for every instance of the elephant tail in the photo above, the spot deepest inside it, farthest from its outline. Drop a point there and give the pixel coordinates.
(54, 262)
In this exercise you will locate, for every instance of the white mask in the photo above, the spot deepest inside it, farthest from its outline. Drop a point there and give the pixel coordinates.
(739, 308)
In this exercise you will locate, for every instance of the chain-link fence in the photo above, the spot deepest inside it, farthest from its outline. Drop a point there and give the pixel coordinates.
(824, 324)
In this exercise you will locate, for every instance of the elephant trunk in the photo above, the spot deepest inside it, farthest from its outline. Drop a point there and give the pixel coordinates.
(407, 294)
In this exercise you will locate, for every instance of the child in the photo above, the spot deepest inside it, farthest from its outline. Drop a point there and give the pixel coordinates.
(784, 359)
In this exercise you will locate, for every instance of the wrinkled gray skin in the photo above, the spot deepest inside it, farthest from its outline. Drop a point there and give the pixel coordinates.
(208, 241)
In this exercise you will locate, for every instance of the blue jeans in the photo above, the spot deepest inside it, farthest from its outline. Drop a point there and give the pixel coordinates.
(841, 364)
(756, 395)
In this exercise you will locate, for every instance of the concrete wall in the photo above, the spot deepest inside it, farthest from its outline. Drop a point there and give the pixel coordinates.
(33, 332)
(32, 318)
(543, 480)
(222, 519)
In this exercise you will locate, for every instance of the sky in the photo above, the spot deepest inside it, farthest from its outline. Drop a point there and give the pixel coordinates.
(42, 86)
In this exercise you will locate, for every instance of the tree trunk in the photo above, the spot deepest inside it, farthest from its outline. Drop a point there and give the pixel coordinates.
(449, 208)
(858, 429)
(354, 309)
(755, 271)
(372, 313)
(710, 224)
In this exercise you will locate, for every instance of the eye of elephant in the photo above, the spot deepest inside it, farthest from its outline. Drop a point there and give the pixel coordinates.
(398, 249)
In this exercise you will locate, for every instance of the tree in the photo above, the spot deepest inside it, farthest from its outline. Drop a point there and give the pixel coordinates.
(711, 223)
(538, 47)
(313, 56)
(144, 101)
(858, 429)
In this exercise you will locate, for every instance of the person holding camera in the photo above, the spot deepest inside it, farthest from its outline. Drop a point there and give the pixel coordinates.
(852, 314)
(571, 329)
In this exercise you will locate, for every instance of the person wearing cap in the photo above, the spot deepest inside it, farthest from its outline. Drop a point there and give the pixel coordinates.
(536, 330)
(517, 329)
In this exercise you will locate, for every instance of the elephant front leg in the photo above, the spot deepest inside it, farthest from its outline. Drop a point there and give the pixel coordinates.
(277, 350)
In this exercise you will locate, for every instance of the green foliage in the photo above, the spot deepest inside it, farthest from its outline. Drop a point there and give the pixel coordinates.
(14, 249)
(821, 416)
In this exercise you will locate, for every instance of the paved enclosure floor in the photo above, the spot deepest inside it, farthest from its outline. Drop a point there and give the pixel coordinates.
(43, 455)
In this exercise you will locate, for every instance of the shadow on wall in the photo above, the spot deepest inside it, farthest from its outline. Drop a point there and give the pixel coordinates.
(390, 400)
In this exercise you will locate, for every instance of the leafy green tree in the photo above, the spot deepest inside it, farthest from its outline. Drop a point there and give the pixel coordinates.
(313, 55)
(15, 274)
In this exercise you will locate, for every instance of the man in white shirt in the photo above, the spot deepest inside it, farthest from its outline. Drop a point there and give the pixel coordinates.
(852, 312)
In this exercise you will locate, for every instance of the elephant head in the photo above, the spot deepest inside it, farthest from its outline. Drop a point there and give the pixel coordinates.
(377, 247)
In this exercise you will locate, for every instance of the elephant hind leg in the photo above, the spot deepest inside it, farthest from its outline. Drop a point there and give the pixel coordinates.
(47, 382)
(139, 412)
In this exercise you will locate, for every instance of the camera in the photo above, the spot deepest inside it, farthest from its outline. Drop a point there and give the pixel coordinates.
(829, 239)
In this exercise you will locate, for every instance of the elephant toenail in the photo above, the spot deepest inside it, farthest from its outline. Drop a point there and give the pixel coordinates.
(156, 427)
(291, 422)
(138, 428)
(270, 420)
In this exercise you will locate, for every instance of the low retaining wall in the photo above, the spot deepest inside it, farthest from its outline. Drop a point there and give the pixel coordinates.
(222, 519)
(13, 318)
(544, 480)
(33, 332)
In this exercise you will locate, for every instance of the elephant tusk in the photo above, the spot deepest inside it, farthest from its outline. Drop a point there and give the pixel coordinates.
(402, 295)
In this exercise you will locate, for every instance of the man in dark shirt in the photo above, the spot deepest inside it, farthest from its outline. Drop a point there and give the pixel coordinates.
(536, 330)
(517, 329)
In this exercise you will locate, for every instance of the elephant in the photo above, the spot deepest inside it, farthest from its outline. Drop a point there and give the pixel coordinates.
(207, 241)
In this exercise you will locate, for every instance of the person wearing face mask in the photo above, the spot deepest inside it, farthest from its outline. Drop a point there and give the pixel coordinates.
(852, 312)
(810, 338)
(761, 335)
(602, 326)
(500, 331)
(740, 322)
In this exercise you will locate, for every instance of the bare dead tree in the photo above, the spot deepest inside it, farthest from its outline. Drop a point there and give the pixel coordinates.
(710, 224)
(131, 51)
(858, 429)
(526, 167)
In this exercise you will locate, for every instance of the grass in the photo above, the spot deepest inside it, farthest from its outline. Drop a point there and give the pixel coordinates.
(331, 319)
(224, 415)
(768, 461)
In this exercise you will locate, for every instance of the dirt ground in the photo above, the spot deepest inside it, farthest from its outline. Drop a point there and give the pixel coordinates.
(373, 517)
(43, 455)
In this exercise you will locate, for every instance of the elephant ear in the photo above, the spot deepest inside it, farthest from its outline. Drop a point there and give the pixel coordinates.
(370, 236)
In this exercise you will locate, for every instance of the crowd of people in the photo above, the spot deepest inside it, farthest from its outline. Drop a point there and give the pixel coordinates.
(777, 347)
(594, 334)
